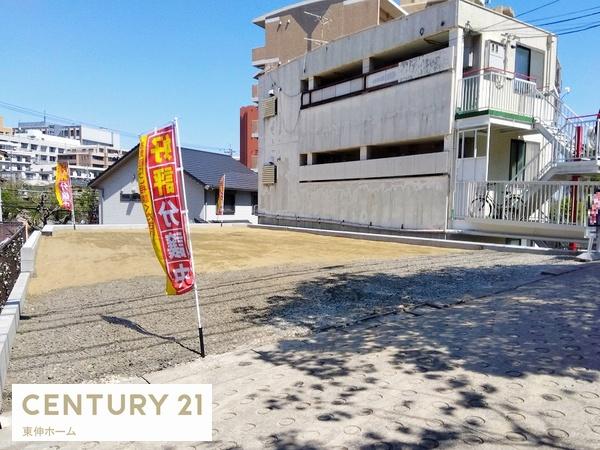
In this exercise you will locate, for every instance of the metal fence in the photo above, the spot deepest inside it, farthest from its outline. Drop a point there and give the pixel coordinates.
(555, 203)
(492, 90)
(10, 257)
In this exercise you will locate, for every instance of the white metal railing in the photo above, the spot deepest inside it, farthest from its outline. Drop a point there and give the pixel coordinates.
(499, 91)
(568, 139)
(554, 203)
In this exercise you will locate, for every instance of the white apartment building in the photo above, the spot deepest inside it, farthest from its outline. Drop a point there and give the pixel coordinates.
(447, 119)
(31, 157)
(85, 134)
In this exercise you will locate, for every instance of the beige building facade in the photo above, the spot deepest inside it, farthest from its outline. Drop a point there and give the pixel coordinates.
(446, 118)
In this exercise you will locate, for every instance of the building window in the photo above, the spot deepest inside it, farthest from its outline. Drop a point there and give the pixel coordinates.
(523, 62)
(131, 197)
(303, 159)
(529, 65)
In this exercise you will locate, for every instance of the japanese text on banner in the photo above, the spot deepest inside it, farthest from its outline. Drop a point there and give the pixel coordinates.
(161, 193)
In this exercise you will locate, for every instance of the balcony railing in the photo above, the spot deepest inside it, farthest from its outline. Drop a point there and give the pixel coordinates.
(259, 54)
(577, 140)
(402, 72)
(554, 203)
(499, 91)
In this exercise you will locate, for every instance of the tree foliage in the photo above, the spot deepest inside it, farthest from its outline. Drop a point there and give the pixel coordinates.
(38, 205)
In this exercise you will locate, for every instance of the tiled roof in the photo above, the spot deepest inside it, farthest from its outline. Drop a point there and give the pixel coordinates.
(208, 168)
(205, 167)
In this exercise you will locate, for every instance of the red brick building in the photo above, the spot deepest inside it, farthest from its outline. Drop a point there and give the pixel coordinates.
(249, 136)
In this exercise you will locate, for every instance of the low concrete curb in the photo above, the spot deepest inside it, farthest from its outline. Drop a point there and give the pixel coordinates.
(28, 253)
(428, 242)
(49, 229)
(13, 308)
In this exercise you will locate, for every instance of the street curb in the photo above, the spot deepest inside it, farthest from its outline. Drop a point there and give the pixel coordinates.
(9, 323)
(49, 229)
(428, 242)
(28, 253)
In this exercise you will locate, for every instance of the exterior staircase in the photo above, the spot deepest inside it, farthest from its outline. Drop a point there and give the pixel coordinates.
(572, 143)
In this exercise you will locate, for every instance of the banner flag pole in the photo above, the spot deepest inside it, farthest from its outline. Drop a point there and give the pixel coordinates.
(72, 199)
(223, 205)
(187, 225)
(73, 213)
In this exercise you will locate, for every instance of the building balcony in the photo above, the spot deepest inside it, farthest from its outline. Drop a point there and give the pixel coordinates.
(499, 94)
(376, 168)
(260, 57)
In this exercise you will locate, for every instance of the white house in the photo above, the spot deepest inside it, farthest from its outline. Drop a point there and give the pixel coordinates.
(120, 198)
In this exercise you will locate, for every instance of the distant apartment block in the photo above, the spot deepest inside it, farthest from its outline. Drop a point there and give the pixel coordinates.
(439, 116)
(249, 136)
(86, 135)
(30, 154)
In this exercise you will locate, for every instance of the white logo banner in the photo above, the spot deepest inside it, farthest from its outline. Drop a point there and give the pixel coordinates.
(111, 412)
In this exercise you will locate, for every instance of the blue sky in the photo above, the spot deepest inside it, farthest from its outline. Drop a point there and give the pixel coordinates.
(135, 64)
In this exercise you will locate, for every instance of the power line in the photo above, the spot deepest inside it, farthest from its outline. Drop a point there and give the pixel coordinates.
(520, 15)
(571, 19)
(568, 30)
(521, 27)
(65, 120)
(581, 30)
(555, 16)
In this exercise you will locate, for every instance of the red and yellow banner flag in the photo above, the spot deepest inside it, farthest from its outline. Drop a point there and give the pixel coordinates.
(62, 186)
(161, 192)
(221, 197)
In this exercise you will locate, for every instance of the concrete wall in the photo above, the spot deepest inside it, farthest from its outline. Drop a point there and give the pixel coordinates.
(407, 191)
(414, 203)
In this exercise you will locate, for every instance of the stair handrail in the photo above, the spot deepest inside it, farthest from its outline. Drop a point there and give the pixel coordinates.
(562, 118)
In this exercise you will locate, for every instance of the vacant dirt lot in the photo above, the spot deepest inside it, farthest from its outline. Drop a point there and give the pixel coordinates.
(97, 308)
(70, 259)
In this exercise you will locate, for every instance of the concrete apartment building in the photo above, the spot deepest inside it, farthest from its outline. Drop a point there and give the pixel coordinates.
(444, 117)
(30, 154)
(299, 28)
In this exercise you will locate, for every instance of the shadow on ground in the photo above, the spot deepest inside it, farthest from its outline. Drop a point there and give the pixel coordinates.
(548, 329)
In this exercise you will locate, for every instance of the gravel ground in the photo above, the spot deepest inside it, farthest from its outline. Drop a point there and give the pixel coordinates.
(129, 328)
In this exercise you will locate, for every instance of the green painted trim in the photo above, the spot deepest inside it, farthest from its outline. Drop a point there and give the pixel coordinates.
(495, 113)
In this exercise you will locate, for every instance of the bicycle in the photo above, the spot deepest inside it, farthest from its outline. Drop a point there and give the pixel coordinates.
(484, 205)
